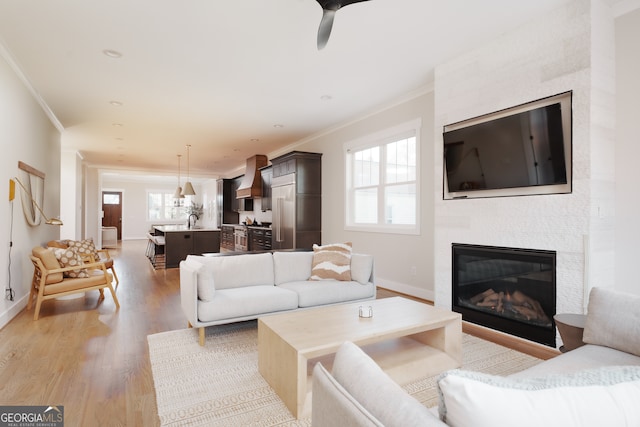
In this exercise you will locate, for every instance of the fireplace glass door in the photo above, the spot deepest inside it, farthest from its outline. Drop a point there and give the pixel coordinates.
(508, 289)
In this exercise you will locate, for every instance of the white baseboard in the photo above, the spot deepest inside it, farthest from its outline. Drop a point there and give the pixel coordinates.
(403, 288)
(12, 311)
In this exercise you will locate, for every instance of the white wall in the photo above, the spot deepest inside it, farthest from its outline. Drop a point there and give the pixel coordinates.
(26, 134)
(395, 254)
(134, 203)
(570, 49)
(627, 152)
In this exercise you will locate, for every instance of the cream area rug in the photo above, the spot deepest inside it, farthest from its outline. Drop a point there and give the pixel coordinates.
(219, 384)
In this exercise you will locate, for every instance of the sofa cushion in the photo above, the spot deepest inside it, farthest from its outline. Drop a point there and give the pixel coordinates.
(312, 293)
(247, 302)
(361, 268)
(236, 271)
(603, 396)
(292, 266)
(334, 406)
(621, 331)
(585, 357)
(374, 390)
(69, 257)
(331, 262)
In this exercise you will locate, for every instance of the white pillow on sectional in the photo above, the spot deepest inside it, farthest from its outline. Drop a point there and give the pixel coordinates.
(292, 266)
(590, 398)
(621, 331)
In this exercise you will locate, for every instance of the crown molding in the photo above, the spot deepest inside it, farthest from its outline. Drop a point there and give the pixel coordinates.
(13, 63)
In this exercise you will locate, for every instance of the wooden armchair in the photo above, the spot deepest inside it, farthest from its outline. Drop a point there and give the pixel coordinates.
(91, 255)
(49, 282)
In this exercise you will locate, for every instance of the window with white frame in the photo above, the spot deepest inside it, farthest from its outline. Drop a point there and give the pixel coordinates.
(382, 177)
(162, 206)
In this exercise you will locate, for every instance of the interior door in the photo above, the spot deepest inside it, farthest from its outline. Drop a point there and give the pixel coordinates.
(112, 208)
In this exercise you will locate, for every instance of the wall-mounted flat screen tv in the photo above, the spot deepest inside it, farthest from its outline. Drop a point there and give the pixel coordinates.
(524, 150)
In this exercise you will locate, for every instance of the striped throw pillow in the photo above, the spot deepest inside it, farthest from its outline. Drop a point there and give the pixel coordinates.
(331, 262)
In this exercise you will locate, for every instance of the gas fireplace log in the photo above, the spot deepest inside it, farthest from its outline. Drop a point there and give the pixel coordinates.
(481, 296)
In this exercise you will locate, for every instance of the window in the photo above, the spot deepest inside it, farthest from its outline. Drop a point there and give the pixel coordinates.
(382, 181)
(162, 205)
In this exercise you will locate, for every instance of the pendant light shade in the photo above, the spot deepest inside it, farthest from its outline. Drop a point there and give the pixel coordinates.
(188, 187)
(178, 194)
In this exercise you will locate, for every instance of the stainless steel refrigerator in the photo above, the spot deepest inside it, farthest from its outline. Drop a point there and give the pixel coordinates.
(283, 199)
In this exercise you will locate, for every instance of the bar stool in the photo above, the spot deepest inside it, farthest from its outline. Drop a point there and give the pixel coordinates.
(158, 253)
(151, 247)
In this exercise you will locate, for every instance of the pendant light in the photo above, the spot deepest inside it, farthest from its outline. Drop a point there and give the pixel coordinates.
(188, 188)
(178, 194)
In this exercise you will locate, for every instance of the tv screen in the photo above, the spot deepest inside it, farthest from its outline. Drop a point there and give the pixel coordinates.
(525, 147)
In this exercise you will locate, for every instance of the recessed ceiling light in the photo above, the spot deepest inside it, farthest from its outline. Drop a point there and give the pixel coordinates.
(116, 103)
(278, 126)
(112, 53)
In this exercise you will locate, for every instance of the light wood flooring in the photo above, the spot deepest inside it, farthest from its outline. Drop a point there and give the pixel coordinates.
(92, 359)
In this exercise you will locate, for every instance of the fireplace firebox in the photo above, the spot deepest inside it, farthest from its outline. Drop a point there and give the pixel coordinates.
(508, 289)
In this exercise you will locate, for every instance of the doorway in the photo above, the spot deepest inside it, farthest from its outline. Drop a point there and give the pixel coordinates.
(112, 208)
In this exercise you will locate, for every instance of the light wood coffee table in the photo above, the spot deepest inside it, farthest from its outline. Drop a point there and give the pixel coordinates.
(408, 339)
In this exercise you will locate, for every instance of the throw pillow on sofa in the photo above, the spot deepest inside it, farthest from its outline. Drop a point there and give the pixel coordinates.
(85, 248)
(621, 331)
(331, 262)
(590, 398)
(70, 258)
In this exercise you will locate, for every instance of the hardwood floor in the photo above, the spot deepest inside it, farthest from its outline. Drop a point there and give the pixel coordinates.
(94, 361)
(91, 359)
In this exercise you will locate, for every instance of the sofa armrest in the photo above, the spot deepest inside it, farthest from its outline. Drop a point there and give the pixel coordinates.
(189, 291)
(334, 406)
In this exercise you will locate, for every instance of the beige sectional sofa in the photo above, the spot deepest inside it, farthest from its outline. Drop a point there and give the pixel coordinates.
(225, 289)
(594, 385)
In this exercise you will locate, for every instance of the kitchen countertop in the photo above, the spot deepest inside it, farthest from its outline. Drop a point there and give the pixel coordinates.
(180, 227)
(259, 227)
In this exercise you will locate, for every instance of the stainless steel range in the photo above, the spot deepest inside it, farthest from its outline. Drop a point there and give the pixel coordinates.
(240, 238)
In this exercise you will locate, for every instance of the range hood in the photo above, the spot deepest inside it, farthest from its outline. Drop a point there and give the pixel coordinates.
(251, 185)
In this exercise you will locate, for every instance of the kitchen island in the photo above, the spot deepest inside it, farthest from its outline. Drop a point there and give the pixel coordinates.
(181, 241)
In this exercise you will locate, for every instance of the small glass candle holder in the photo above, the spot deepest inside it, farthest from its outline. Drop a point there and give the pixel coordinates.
(365, 312)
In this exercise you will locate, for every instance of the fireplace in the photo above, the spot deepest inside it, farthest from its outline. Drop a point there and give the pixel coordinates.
(508, 289)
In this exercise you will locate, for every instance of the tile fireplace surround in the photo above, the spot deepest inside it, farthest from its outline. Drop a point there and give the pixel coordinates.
(530, 63)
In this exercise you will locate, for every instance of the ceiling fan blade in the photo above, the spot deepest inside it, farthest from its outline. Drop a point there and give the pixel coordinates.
(324, 31)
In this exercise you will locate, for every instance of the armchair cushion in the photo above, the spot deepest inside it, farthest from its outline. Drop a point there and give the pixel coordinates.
(70, 258)
(94, 278)
(50, 262)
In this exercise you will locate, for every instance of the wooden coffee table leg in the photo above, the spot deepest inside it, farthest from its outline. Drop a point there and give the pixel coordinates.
(283, 368)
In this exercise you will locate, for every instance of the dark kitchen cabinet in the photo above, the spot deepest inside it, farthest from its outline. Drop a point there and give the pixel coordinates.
(297, 200)
(259, 239)
(179, 244)
(226, 238)
(225, 198)
(266, 174)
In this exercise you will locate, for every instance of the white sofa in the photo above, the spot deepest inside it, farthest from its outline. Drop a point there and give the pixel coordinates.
(594, 385)
(216, 290)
